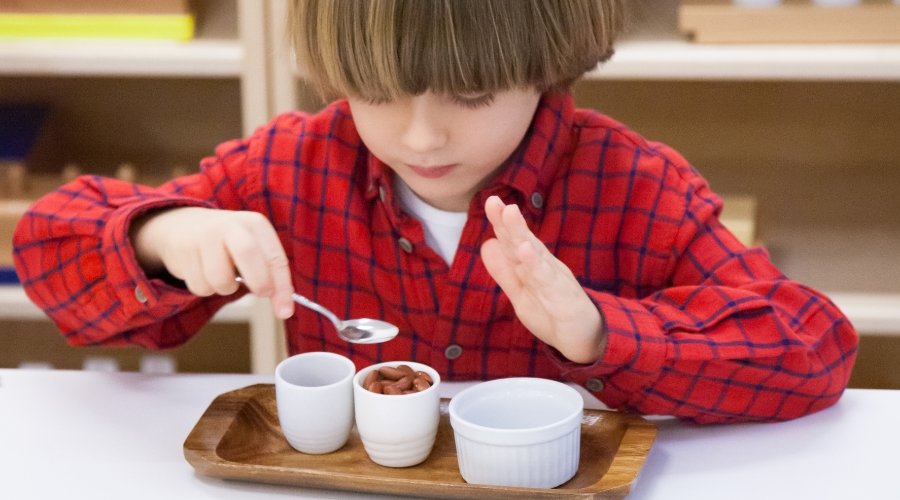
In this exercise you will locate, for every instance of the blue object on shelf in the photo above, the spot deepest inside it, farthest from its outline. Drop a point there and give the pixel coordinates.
(20, 126)
(8, 276)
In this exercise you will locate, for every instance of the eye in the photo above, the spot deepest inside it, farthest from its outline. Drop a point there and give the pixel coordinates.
(375, 101)
(473, 101)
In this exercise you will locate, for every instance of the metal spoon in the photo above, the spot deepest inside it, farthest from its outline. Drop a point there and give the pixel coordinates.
(355, 331)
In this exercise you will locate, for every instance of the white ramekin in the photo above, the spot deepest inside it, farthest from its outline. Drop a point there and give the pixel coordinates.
(517, 432)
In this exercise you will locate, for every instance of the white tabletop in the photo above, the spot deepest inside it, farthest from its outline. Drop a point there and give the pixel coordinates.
(70, 434)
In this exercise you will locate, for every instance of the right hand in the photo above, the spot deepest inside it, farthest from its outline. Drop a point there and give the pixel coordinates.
(209, 248)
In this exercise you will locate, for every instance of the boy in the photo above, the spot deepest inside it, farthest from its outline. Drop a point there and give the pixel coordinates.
(456, 192)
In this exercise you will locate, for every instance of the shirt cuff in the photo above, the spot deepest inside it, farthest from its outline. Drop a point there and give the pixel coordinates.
(135, 291)
(633, 358)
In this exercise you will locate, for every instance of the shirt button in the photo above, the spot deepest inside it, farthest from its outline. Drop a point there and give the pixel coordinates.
(405, 244)
(382, 193)
(537, 201)
(594, 385)
(139, 295)
(453, 351)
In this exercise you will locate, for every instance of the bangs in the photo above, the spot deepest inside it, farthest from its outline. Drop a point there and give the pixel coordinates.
(385, 49)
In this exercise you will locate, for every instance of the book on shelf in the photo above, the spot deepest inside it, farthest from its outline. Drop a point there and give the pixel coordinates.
(22, 141)
(134, 19)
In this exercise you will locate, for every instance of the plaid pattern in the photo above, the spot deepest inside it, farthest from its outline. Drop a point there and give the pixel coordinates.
(699, 326)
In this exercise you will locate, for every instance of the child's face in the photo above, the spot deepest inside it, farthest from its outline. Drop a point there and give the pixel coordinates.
(444, 148)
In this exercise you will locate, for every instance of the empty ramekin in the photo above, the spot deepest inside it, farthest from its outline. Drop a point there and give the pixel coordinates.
(522, 432)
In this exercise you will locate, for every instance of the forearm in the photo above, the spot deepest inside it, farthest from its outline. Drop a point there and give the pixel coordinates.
(720, 354)
(75, 261)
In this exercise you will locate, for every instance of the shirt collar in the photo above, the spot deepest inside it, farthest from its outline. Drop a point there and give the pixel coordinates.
(529, 170)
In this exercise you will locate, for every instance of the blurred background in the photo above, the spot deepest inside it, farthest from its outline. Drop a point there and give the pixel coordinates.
(790, 109)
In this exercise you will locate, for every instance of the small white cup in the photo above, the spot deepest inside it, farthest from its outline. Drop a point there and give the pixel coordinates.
(397, 430)
(314, 396)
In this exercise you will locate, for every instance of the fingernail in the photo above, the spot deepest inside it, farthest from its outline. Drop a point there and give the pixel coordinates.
(285, 312)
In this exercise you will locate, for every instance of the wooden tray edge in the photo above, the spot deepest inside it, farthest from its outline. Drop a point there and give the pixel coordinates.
(201, 444)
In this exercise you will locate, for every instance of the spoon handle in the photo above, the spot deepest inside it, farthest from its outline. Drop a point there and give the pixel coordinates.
(303, 301)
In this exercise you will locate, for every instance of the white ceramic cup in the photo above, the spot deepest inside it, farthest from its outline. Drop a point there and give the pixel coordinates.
(314, 396)
(397, 430)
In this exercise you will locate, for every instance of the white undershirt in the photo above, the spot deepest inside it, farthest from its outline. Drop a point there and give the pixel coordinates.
(442, 229)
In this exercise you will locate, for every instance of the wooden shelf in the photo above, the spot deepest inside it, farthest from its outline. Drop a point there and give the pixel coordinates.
(871, 313)
(654, 49)
(674, 58)
(217, 51)
(220, 58)
(15, 305)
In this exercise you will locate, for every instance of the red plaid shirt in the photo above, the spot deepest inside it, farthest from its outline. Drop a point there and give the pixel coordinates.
(699, 326)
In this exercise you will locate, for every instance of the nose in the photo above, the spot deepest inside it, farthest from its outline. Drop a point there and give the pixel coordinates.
(424, 130)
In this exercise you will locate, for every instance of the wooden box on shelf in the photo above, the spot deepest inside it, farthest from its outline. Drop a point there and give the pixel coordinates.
(739, 216)
(797, 21)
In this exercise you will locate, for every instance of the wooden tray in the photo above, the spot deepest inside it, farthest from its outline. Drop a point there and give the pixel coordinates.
(238, 437)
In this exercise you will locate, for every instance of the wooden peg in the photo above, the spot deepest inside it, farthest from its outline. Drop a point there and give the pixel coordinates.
(126, 172)
(70, 172)
(16, 177)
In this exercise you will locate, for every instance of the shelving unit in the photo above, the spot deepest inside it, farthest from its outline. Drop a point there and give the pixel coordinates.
(159, 104)
(825, 184)
(678, 59)
(808, 130)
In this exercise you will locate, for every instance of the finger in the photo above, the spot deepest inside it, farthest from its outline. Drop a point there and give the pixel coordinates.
(278, 268)
(537, 271)
(248, 260)
(519, 232)
(515, 225)
(494, 208)
(218, 269)
(500, 268)
(194, 278)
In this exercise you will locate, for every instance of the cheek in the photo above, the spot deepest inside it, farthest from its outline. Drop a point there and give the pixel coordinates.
(376, 137)
(375, 126)
(497, 141)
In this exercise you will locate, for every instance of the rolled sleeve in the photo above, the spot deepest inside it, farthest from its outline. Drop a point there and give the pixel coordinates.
(634, 355)
(134, 290)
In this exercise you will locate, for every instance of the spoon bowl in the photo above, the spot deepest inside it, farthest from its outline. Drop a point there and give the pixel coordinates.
(354, 331)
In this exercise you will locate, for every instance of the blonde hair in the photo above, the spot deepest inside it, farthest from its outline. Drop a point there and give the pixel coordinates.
(384, 49)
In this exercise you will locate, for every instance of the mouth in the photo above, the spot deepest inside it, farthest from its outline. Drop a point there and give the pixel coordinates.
(432, 172)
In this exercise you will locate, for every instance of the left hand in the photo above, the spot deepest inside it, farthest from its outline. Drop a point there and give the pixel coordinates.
(544, 293)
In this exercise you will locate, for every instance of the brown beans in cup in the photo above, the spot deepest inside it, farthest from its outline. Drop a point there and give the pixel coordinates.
(396, 380)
